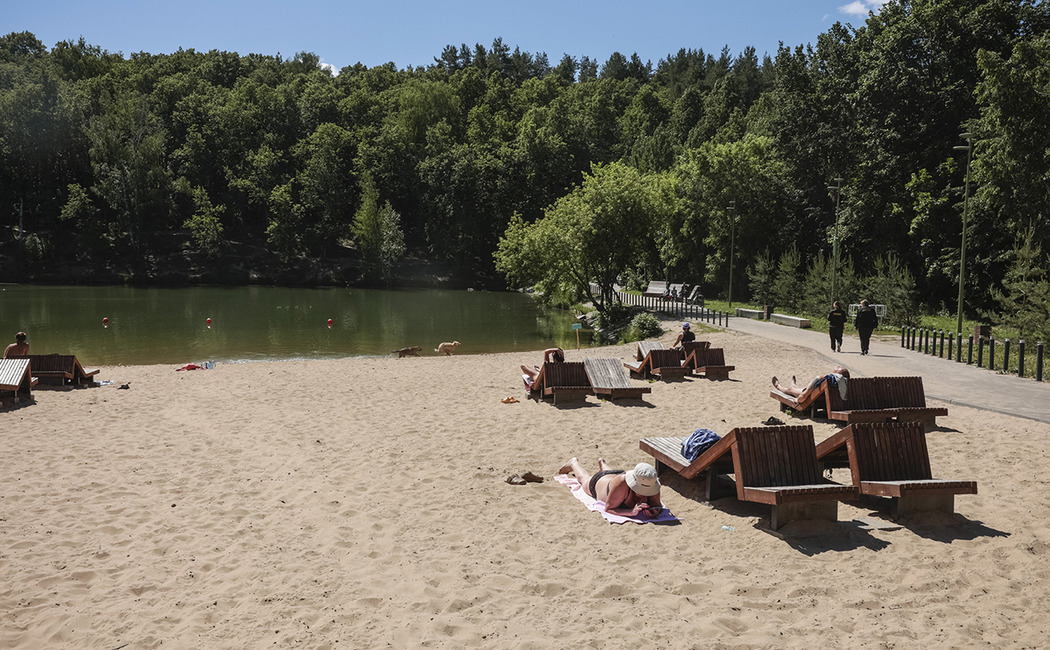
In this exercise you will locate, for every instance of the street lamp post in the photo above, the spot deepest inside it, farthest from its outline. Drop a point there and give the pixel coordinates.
(732, 248)
(968, 148)
(837, 189)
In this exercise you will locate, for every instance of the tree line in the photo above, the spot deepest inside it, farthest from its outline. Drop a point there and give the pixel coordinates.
(507, 168)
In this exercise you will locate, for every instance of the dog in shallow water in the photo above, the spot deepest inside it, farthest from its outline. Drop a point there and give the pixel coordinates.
(447, 348)
(408, 352)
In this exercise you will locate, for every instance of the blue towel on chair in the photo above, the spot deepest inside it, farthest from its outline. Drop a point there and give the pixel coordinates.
(698, 442)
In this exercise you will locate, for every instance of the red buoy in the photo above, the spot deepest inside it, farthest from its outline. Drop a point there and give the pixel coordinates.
(105, 322)
(329, 323)
(209, 323)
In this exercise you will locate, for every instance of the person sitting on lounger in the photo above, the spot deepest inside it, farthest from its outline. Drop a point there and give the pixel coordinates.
(19, 348)
(628, 494)
(839, 376)
(550, 354)
(685, 335)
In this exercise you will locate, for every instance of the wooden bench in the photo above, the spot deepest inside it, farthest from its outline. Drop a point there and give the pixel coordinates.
(757, 314)
(794, 321)
(892, 460)
(640, 365)
(655, 289)
(609, 380)
(565, 381)
(772, 465)
(59, 370)
(881, 399)
(16, 376)
(690, 351)
(667, 364)
(711, 363)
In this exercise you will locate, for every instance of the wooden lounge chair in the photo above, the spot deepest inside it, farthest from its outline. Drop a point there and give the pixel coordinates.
(689, 352)
(565, 381)
(667, 364)
(16, 376)
(891, 460)
(608, 379)
(655, 289)
(60, 370)
(868, 399)
(773, 465)
(640, 365)
(711, 363)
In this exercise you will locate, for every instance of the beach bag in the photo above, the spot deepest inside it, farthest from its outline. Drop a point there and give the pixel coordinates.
(698, 442)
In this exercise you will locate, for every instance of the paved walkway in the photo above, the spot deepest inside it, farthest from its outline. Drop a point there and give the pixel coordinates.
(943, 380)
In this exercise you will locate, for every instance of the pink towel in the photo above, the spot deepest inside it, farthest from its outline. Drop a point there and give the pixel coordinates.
(599, 507)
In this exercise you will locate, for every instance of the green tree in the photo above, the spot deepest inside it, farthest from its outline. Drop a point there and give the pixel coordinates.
(205, 225)
(377, 231)
(1024, 301)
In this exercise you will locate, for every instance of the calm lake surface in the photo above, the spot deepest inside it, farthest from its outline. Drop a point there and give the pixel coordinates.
(151, 326)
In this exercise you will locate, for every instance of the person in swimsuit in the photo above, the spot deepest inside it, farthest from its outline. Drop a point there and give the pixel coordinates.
(529, 374)
(19, 348)
(626, 493)
(839, 374)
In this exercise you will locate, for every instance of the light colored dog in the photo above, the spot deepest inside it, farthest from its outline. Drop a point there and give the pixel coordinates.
(408, 352)
(447, 348)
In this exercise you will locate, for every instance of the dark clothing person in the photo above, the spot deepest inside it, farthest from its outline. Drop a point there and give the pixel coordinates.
(836, 325)
(866, 322)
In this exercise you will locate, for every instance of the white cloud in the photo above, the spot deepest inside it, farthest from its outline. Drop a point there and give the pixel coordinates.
(855, 8)
(332, 70)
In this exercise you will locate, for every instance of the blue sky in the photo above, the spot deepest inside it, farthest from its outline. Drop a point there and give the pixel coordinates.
(412, 33)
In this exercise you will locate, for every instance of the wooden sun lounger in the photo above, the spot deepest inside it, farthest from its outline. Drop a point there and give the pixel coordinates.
(60, 370)
(711, 363)
(772, 465)
(690, 350)
(892, 460)
(16, 376)
(608, 379)
(565, 381)
(667, 364)
(655, 289)
(868, 399)
(640, 365)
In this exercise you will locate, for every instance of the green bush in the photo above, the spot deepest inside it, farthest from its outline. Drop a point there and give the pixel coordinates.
(643, 326)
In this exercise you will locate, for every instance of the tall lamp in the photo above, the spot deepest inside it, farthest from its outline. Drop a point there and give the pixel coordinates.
(968, 148)
(732, 247)
(837, 189)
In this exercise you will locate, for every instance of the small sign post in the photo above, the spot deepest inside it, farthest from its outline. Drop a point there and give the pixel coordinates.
(577, 327)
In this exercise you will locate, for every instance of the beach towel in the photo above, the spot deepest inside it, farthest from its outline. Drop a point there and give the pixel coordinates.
(599, 507)
(699, 442)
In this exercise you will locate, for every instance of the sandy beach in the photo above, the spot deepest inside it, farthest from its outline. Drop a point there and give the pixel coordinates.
(362, 503)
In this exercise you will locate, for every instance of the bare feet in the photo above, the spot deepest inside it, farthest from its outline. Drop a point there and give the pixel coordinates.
(776, 384)
(602, 466)
(567, 467)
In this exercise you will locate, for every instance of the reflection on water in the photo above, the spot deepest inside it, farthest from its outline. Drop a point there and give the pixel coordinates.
(157, 325)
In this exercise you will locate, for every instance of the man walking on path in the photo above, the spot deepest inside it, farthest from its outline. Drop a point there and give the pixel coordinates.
(836, 325)
(866, 322)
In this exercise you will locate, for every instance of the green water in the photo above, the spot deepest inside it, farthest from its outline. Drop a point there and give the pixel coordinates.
(148, 326)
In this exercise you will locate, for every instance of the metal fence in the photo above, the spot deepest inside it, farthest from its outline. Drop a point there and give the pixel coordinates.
(949, 345)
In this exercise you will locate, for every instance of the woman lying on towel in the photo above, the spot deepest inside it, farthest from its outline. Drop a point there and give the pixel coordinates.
(628, 494)
(839, 377)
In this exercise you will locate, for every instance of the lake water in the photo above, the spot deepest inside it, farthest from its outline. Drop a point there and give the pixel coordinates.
(161, 325)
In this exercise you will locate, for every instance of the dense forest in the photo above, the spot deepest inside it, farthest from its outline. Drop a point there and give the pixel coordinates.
(252, 168)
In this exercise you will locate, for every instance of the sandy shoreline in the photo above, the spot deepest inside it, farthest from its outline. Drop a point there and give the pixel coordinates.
(361, 503)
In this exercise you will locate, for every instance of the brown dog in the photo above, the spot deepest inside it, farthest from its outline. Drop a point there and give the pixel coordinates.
(447, 348)
(408, 352)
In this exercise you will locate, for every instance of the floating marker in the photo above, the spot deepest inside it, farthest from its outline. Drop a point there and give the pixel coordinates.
(329, 323)
(105, 322)
(209, 323)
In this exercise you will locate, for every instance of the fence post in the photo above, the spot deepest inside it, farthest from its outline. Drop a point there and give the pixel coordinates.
(991, 353)
(1020, 358)
(1039, 361)
(1006, 356)
(951, 340)
(903, 330)
(940, 350)
(925, 341)
(980, 351)
(911, 337)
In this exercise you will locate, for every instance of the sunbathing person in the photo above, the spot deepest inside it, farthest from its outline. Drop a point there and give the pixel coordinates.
(839, 376)
(628, 494)
(19, 348)
(529, 374)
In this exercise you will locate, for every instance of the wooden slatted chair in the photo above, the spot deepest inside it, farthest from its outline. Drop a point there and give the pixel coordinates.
(772, 465)
(814, 402)
(655, 289)
(60, 370)
(608, 379)
(711, 363)
(16, 377)
(892, 460)
(667, 364)
(565, 381)
(640, 365)
(690, 351)
(882, 399)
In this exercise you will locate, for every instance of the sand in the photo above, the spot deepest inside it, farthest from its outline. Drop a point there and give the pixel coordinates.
(362, 503)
